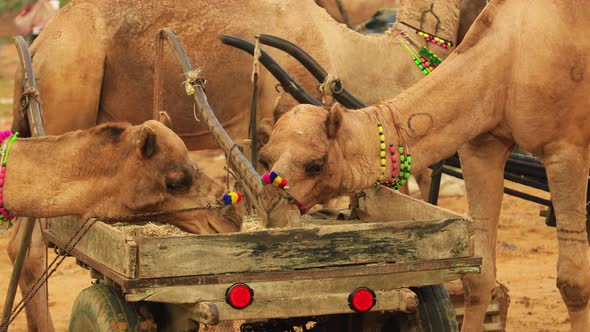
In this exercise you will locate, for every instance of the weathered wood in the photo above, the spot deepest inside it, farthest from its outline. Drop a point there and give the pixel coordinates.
(303, 248)
(286, 298)
(286, 288)
(102, 244)
(403, 300)
(381, 203)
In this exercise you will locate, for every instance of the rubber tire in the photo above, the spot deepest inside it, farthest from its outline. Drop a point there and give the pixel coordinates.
(102, 308)
(435, 312)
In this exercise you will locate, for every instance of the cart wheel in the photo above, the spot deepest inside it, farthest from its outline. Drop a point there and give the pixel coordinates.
(435, 312)
(103, 308)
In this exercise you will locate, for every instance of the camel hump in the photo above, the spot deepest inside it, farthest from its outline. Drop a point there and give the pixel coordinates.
(68, 61)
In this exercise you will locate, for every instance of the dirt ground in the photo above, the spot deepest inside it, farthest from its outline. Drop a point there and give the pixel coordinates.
(527, 250)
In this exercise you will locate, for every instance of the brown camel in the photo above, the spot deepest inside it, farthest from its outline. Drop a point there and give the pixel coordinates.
(358, 11)
(109, 170)
(488, 95)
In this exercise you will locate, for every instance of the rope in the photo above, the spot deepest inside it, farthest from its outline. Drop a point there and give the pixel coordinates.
(28, 93)
(158, 100)
(329, 87)
(69, 246)
(254, 107)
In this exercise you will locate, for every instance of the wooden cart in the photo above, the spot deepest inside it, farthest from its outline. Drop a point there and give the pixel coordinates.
(309, 271)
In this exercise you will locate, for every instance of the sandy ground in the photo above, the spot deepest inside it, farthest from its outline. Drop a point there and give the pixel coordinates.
(527, 251)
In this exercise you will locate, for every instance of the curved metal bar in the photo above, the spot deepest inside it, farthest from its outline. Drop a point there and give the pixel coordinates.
(245, 173)
(273, 67)
(344, 97)
(28, 81)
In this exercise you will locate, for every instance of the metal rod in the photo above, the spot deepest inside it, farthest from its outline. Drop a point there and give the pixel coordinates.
(37, 129)
(508, 191)
(436, 177)
(288, 83)
(343, 97)
(25, 244)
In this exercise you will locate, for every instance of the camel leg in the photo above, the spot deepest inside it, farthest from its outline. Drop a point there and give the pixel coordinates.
(424, 178)
(483, 161)
(567, 172)
(38, 318)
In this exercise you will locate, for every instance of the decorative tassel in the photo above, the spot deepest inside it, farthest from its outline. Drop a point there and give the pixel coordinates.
(274, 179)
(232, 197)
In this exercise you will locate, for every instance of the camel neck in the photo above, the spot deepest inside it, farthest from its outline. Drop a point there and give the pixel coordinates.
(438, 17)
(435, 125)
(38, 181)
(351, 53)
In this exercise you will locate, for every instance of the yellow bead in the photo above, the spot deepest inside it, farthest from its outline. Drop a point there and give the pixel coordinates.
(382, 153)
(380, 130)
(277, 180)
(382, 138)
(382, 146)
(234, 197)
(382, 162)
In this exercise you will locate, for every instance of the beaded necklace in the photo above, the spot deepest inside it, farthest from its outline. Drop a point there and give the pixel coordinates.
(4, 150)
(430, 37)
(398, 177)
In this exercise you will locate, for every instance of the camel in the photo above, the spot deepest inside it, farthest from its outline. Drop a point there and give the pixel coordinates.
(109, 170)
(357, 11)
(489, 95)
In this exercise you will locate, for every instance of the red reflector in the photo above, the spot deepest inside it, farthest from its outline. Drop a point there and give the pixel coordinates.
(362, 299)
(239, 296)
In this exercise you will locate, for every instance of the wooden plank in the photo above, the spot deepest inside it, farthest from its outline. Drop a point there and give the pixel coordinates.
(303, 248)
(102, 244)
(290, 293)
(381, 203)
(458, 265)
(403, 300)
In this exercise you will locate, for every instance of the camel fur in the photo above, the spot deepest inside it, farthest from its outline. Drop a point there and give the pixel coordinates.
(489, 95)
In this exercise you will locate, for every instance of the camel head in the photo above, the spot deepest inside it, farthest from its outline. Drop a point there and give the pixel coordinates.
(305, 149)
(159, 175)
(117, 170)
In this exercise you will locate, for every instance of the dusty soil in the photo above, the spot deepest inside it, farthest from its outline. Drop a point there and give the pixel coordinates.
(527, 250)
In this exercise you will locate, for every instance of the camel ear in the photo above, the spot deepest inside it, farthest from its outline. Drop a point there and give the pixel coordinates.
(146, 142)
(334, 120)
(263, 130)
(164, 119)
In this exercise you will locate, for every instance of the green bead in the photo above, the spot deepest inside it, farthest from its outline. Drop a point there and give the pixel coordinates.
(402, 157)
(409, 168)
(425, 71)
(402, 182)
(400, 149)
(407, 175)
(409, 158)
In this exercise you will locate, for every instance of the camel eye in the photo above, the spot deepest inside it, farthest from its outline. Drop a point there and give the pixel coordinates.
(264, 163)
(315, 167)
(178, 181)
